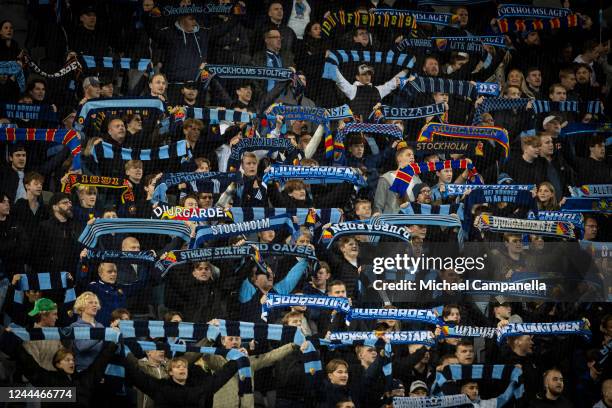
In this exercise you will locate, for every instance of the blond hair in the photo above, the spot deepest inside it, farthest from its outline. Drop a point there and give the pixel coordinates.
(81, 301)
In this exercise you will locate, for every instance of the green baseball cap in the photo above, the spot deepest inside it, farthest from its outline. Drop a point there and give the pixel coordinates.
(43, 305)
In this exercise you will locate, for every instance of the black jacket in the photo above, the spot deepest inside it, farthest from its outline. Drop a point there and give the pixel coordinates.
(198, 301)
(14, 247)
(57, 246)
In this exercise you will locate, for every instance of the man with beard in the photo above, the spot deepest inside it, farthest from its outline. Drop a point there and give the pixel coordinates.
(553, 388)
(57, 246)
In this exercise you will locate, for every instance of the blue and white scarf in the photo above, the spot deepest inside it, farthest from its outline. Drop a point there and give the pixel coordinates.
(96, 61)
(521, 10)
(338, 57)
(556, 229)
(408, 113)
(12, 68)
(450, 2)
(164, 212)
(575, 218)
(118, 105)
(168, 180)
(28, 111)
(424, 337)
(460, 189)
(107, 151)
(411, 315)
(446, 401)
(325, 215)
(66, 333)
(438, 220)
(273, 301)
(339, 112)
(211, 115)
(105, 226)
(578, 327)
(278, 249)
(261, 143)
(449, 86)
(543, 106)
(132, 257)
(45, 281)
(315, 175)
(250, 72)
(181, 257)
(592, 190)
(335, 231)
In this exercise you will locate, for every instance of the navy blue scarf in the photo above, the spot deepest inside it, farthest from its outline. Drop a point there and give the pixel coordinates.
(28, 111)
(45, 281)
(338, 57)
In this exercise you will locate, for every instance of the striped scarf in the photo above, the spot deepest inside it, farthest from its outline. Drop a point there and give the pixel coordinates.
(404, 176)
(100, 181)
(497, 104)
(438, 220)
(107, 151)
(304, 216)
(338, 57)
(12, 68)
(105, 226)
(521, 25)
(96, 61)
(335, 231)
(315, 175)
(118, 105)
(168, 180)
(66, 333)
(431, 84)
(507, 373)
(211, 115)
(28, 111)
(496, 134)
(45, 281)
(557, 229)
(278, 249)
(260, 143)
(334, 148)
(426, 209)
(578, 327)
(592, 107)
(67, 137)
(406, 22)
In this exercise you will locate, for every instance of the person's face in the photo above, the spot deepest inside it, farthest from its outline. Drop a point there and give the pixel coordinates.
(513, 93)
(590, 229)
(440, 97)
(365, 78)
(107, 91)
(514, 245)
(405, 157)
(176, 319)
(533, 38)
(134, 173)
(275, 12)
(465, 354)
(136, 123)
(606, 391)
(525, 344)
(205, 200)
(337, 291)
(109, 214)
(18, 160)
(6, 31)
(190, 202)
(419, 392)
(273, 40)
(179, 372)
(93, 91)
(304, 140)
(245, 94)
(503, 311)
(66, 364)
(108, 273)
(548, 147)
(453, 316)
(347, 404)
(445, 175)
(350, 249)
(156, 356)
(471, 390)
(515, 78)
(48, 319)
(544, 193)
(203, 167)
(339, 376)
(487, 120)
(202, 272)
(303, 240)
(88, 198)
(568, 81)
(267, 236)
(64, 208)
(558, 94)
(531, 151)
(431, 67)
(116, 130)
(367, 355)
(38, 92)
(158, 85)
(598, 152)
(189, 94)
(188, 23)
(362, 37)
(130, 245)
(295, 322)
(363, 210)
(298, 194)
(192, 132)
(88, 20)
(583, 76)
(424, 196)
(554, 383)
(357, 150)
(534, 78)
(249, 166)
(321, 277)
(418, 231)
(315, 31)
(92, 305)
(231, 342)
(463, 17)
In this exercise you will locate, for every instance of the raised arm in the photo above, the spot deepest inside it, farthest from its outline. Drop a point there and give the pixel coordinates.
(285, 286)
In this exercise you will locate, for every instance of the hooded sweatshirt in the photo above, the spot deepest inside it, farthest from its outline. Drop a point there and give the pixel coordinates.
(184, 51)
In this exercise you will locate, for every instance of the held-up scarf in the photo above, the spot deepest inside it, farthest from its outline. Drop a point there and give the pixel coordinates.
(278, 249)
(459, 189)
(335, 231)
(212, 115)
(67, 137)
(575, 218)
(111, 255)
(424, 209)
(356, 19)
(100, 181)
(520, 10)
(521, 25)
(291, 112)
(168, 180)
(335, 147)
(496, 134)
(578, 327)
(45, 281)
(469, 331)
(156, 329)
(325, 215)
(449, 86)
(117, 104)
(498, 104)
(586, 204)
(507, 373)
(423, 17)
(28, 111)
(543, 106)
(522, 198)
(445, 401)
(432, 45)
(557, 229)
(575, 128)
(441, 146)
(592, 190)
(412, 315)
(423, 337)
(449, 2)
(12, 68)
(338, 57)
(164, 212)
(494, 40)
(250, 72)
(315, 175)
(107, 151)
(71, 65)
(603, 354)
(197, 9)
(95, 61)
(438, 220)
(400, 113)
(104, 226)
(176, 258)
(67, 333)
(274, 301)
(404, 176)
(222, 231)
(260, 143)
(339, 112)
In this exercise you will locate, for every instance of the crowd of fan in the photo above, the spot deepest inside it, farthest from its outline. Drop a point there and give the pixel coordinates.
(39, 235)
